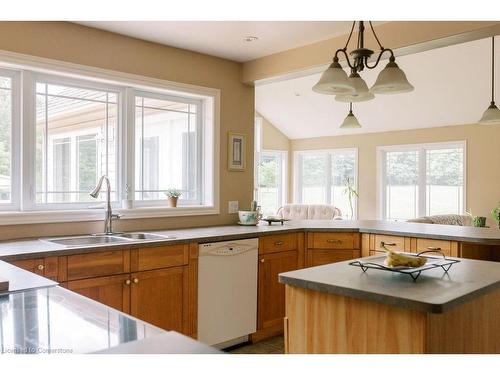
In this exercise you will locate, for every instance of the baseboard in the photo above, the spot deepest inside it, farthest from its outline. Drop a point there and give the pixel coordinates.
(266, 333)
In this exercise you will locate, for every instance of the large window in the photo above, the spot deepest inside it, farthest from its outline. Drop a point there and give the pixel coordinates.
(421, 180)
(167, 130)
(74, 130)
(271, 181)
(324, 177)
(76, 142)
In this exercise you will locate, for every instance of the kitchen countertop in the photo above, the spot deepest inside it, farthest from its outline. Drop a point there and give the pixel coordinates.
(20, 279)
(56, 320)
(30, 248)
(433, 292)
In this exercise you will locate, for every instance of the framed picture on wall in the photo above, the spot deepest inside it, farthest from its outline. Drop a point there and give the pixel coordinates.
(236, 151)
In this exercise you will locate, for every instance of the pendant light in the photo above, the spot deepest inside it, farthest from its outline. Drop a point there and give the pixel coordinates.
(492, 114)
(361, 93)
(350, 122)
(334, 80)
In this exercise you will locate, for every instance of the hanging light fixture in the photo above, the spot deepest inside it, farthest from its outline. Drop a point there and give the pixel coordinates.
(492, 114)
(334, 81)
(350, 122)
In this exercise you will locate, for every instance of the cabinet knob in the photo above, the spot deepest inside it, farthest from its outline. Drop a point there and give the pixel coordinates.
(40, 267)
(278, 243)
(136, 281)
(433, 248)
(127, 282)
(262, 260)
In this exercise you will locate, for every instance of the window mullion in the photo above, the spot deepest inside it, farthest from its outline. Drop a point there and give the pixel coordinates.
(422, 183)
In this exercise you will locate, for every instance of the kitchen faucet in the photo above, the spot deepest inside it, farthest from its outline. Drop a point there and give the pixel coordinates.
(108, 213)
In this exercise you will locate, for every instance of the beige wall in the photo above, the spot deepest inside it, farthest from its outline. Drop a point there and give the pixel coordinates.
(483, 161)
(87, 46)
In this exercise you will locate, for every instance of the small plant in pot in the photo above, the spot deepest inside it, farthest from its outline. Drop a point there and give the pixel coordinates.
(496, 214)
(173, 195)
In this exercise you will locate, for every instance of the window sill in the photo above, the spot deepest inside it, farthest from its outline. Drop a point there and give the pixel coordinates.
(38, 217)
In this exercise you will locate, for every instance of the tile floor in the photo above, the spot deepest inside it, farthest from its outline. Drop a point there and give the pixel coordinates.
(274, 345)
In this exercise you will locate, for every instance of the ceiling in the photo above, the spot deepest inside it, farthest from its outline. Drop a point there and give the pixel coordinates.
(452, 86)
(226, 38)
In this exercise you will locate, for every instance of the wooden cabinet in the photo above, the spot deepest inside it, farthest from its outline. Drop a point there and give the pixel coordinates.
(113, 291)
(324, 247)
(449, 248)
(271, 293)
(103, 263)
(159, 257)
(47, 267)
(160, 297)
(277, 253)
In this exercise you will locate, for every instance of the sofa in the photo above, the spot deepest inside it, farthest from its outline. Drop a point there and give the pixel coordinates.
(309, 212)
(450, 219)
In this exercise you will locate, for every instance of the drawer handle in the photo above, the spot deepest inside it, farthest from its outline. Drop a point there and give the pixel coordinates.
(382, 243)
(136, 281)
(127, 282)
(278, 243)
(40, 267)
(433, 248)
(333, 241)
(262, 260)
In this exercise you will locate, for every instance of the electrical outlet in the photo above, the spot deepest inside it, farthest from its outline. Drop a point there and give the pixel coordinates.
(233, 207)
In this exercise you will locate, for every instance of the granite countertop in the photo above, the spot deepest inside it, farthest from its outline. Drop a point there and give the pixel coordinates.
(433, 292)
(56, 320)
(29, 248)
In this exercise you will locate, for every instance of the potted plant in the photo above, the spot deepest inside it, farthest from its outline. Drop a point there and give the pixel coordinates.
(496, 214)
(351, 192)
(173, 195)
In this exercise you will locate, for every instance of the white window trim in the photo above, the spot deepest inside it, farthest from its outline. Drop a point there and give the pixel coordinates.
(211, 113)
(297, 176)
(381, 150)
(283, 193)
(16, 152)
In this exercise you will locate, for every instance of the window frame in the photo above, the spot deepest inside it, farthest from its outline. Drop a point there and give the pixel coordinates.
(15, 140)
(422, 171)
(297, 171)
(130, 181)
(27, 66)
(29, 139)
(283, 174)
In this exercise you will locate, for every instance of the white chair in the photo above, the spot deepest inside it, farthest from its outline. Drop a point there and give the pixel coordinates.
(309, 212)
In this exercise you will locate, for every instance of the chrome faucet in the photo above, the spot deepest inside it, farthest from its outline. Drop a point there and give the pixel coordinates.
(108, 212)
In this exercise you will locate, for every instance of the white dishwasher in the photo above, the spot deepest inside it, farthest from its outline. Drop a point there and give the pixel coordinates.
(227, 292)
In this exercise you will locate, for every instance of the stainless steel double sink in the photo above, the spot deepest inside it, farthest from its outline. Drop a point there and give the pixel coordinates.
(115, 238)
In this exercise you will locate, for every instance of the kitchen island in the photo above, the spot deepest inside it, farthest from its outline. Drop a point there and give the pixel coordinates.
(337, 308)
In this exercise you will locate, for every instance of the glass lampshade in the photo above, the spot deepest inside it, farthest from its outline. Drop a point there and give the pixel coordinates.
(334, 81)
(350, 122)
(391, 80)
(361, 92)
(491, 116)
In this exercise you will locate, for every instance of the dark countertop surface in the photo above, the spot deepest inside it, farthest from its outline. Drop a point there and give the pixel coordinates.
(56, 320)
(30, 248)
(434, 291)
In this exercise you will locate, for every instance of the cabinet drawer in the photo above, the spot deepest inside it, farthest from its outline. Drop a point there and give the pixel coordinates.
(277, 243)
(159, 257)
(424, 244)
(320, 240)
(31, 265)
(105, 263)
(393, 242)
(318, 257)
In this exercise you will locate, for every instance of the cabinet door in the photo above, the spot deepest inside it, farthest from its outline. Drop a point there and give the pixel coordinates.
(160, 297)
(271, 294)
(113, 291)
(318, 257)
(32, 265)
